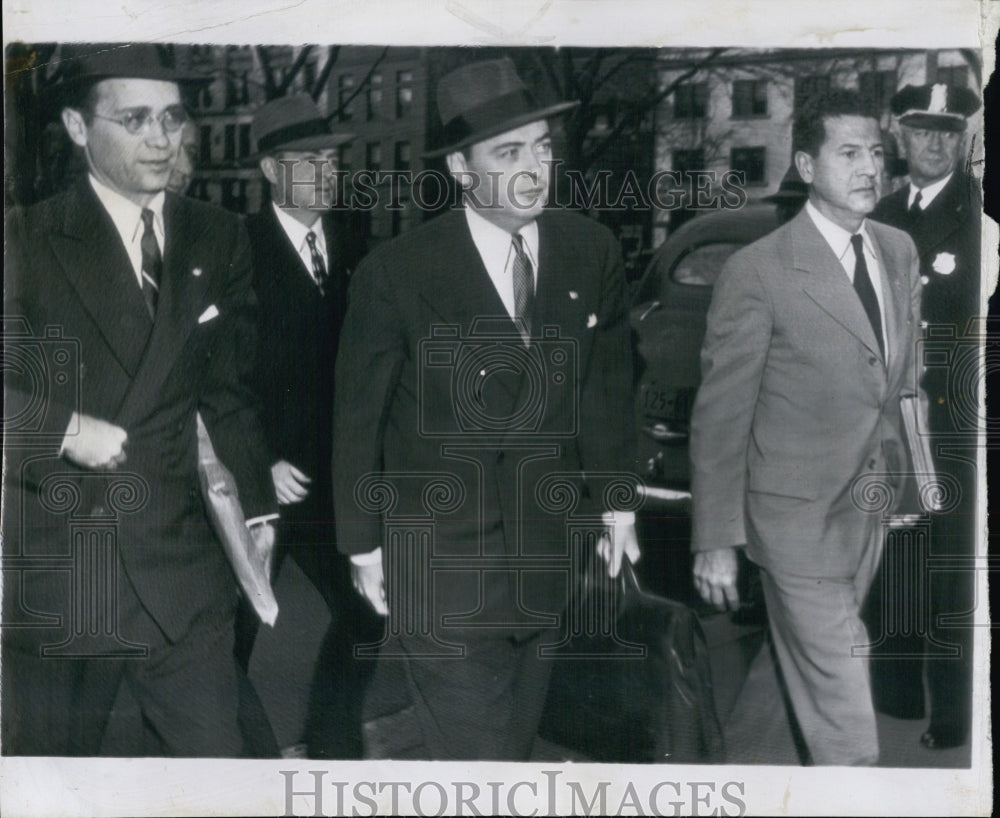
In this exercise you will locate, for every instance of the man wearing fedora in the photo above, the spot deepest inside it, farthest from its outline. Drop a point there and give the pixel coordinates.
(940, 209)
(421, 440)
(153, 291)
(302, 254)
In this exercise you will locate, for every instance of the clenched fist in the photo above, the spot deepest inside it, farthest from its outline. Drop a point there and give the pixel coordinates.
(98, 445)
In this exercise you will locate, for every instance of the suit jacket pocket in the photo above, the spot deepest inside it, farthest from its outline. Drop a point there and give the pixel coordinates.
(787, 480)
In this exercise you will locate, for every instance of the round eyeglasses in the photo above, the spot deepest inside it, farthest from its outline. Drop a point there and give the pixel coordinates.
(171, 120)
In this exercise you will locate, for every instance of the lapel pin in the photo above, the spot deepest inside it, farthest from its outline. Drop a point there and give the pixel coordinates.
(196, 272)
(591, 321)
(573, 294)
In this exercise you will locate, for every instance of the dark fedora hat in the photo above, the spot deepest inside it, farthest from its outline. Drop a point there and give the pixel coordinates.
(292, 123)
(483, 99)
(97, 61)
(934, 106)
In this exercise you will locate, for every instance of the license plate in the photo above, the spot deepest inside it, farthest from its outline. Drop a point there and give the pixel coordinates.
(668, 403)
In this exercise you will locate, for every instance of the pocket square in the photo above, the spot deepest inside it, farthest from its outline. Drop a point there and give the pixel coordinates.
(208, 314)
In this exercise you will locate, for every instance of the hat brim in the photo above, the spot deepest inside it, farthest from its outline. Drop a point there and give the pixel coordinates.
(933, 122)
(501, 127)
(319, 142)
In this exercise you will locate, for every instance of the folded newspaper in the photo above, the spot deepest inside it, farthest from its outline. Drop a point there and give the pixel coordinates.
(222, 502)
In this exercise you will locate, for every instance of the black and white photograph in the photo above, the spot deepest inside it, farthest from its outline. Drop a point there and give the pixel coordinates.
(465, 408)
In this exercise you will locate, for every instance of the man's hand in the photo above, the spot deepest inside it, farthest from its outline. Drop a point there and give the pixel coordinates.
(715, 575)
(263, 541)
(617, 540)
(369, 581)
(290, 484)
(97, 445)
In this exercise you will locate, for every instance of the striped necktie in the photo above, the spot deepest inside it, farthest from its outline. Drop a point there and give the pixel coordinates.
(524, 287)
(152, 263)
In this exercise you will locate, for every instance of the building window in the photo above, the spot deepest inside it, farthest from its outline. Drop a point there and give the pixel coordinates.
(402, 159)
(957, 75)
(751, 162)
(749, 98)
(373, 156)
(244, 148)
(234, 195)
(404, 93)
(691, 100)
(229, 145)
(809, 87)
(877, 87)
(205, 157)
(374, 96)
(345, 91)
(344, 158)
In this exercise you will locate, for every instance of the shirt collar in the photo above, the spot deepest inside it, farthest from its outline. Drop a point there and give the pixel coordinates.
(836, 236)
(127, 215)
(927, 194)
(495, 243)
(297, 232)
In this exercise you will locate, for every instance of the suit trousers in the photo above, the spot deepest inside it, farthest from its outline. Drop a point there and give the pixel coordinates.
(814, 623)
(484, 705)
(187, 691)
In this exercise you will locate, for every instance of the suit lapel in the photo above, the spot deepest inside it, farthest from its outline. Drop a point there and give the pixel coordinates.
(95, 262)
(464, 290)
(827, 283)
(175, 312)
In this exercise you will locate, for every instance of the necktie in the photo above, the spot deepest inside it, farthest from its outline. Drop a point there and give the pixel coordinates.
(866, 292)
(319, 268)
(915, 205)
(524, 286)
(152, 262)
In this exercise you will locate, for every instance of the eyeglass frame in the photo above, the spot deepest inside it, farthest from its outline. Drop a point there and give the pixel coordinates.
(144, 122)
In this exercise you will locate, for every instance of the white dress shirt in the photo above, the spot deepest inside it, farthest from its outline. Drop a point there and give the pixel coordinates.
(127, 218)
(839, 240)
(495, 246)
(927, 194)
(298, 235)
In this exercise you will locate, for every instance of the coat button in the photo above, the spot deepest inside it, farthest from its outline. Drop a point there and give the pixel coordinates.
(873, 360)
(871, 463)
(98, 511)
(499, 457)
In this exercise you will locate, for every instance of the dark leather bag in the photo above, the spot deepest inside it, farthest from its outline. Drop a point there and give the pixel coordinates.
(633, 683)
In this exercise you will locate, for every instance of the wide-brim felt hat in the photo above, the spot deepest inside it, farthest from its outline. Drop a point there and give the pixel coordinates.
(97, 61)
(484, 99)
(292, 123)
(935, 106)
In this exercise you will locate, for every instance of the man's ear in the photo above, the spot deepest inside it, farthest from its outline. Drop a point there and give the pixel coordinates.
(804, 165)
(269, 167)
(458, 168)
(75, 126)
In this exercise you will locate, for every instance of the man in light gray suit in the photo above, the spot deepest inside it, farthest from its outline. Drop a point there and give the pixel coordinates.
(808, 352)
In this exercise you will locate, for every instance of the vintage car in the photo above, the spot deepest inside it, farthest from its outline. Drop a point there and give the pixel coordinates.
(671, 302)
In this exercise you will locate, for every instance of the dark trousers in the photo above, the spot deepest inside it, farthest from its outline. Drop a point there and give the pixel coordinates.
(485, 705)
(333, 722)
(939, 638)
(187, 691)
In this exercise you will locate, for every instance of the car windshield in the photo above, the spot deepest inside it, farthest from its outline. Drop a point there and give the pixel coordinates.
(702, 265)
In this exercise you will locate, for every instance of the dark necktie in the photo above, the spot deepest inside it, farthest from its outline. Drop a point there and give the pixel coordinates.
(152, 262)
(866, 292)
(319, 268)
(915, 205)
(524, 286)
